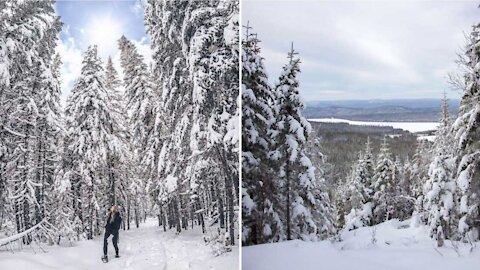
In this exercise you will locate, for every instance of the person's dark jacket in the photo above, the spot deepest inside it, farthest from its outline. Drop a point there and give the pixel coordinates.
(113, 227)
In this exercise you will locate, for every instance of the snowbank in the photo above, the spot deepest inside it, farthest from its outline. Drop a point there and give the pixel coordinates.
(398, 246)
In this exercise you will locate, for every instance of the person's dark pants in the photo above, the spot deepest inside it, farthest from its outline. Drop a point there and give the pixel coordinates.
(114, 241)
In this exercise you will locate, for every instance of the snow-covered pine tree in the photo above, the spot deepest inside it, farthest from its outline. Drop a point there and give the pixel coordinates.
(196, 67)
(328, 223)
(296, 171)
(467, 136)
(261, 220)
(49, 130)
(139, 91)
(29, 34)
(92, 139)
(364, 174)
(404, 203)
(361, 195)
(440, 188)
(122, 169)
(384, 188)
(145, 122)
(213, 67)
(418, 173)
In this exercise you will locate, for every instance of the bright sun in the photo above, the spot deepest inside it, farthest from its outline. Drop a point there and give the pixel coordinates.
(104, 32)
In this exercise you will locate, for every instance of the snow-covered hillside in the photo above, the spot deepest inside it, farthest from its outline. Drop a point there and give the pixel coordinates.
(408, 126)
(398, 246)
(145, 248)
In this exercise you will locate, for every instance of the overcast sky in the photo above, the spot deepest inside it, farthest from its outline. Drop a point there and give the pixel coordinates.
(102, 23)
(364, 49)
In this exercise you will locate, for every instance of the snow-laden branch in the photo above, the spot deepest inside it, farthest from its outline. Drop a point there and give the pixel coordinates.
(15, 237)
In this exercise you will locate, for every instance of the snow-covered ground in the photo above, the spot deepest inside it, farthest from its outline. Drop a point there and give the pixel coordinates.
(409, 126)
(145, 248)
(399, 246)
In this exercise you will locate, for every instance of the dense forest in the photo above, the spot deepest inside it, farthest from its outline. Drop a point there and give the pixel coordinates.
(162, 142)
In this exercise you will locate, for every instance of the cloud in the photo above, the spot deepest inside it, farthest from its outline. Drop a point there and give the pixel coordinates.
(369, 49)
(137, 8)
(72, 64)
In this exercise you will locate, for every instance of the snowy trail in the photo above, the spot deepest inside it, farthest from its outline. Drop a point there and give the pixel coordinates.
(147, 247)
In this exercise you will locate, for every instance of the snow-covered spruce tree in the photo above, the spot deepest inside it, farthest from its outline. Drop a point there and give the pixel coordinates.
(261, 220)
(122, 169)
(92, 140)
(170, 74)
(296, 171)
(361, 194)
(467, 153)
(49, 130)
(364, 173)
(196, 68)
(139, 92)
(440, 188)
(404, 203)
(384, 187)
(213, 62)
(29, 34)
(321, 191)
(67, 227)
(418, 174)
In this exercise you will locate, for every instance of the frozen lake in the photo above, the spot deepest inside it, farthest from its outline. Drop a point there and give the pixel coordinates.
(409, 126)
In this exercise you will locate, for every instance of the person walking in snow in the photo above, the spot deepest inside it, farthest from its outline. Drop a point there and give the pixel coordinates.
(112, 226)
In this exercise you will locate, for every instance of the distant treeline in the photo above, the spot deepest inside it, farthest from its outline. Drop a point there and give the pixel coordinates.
(342, 142)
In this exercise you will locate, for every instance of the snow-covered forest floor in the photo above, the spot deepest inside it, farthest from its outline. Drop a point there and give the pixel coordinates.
(147, 247)
(399, 246)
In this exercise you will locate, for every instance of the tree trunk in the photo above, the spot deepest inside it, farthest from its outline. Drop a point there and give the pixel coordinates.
(176, 214)
(137, 217)
(128, 214)
(221, 210)
(287, 194)
(229, 194)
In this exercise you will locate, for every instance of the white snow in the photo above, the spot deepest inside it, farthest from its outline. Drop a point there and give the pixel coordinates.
(145, 248)
(398, 246)
(408, 126)
(171, 183)
(430, 138)
(6, 240)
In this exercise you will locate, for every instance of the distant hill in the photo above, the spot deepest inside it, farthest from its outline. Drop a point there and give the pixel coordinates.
(380, 110)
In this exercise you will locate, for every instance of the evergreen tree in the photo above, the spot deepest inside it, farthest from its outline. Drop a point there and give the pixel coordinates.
(92, 141)
(440, 188)
(467, 152)
(384, 185)
(296, 171)
(327, 223)
(418, 172)
(261, 222)
(28, 128)
(120, 154)
(361, 192)
(195, 54)
(139, 92)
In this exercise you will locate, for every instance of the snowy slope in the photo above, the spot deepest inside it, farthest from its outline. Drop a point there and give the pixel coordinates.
(408, 126)
(399, 246)
(147, 247)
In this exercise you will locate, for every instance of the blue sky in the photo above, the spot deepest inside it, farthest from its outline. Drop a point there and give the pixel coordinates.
(101, 23)
(364, 49)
